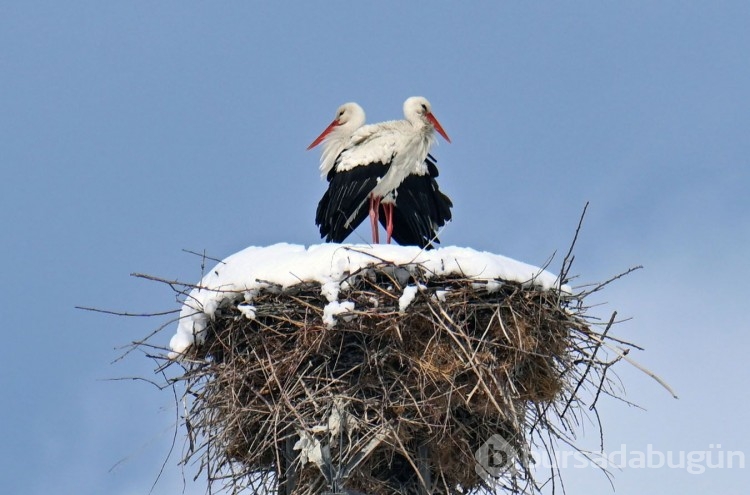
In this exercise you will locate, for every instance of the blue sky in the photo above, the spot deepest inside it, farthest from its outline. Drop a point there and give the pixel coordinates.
(130, 131)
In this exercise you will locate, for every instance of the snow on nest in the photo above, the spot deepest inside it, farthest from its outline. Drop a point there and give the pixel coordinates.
(245, 273)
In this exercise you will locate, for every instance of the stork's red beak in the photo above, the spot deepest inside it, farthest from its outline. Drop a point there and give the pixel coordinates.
(437, 126)
(323, 135)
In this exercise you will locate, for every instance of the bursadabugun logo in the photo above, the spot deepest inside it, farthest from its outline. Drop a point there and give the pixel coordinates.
(495, 458)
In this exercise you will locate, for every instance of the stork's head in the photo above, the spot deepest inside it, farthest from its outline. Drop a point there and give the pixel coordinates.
(417, 108)
(349, 117)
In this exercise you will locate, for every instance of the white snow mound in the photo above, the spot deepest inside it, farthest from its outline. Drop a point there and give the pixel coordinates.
(243, 274)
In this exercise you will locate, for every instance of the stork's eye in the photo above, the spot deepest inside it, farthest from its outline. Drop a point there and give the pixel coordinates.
(424, 107)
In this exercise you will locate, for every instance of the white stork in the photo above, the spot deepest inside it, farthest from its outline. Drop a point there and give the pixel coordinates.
(388, 165)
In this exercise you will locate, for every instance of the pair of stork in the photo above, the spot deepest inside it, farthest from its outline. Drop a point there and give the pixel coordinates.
(386, 168)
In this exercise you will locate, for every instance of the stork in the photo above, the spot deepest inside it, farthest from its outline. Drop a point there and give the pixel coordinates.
(388, 165)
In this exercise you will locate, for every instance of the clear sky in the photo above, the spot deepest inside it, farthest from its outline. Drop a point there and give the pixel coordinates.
(130, 131)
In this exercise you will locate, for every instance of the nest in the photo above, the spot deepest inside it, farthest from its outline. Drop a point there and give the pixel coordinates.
(447, 395)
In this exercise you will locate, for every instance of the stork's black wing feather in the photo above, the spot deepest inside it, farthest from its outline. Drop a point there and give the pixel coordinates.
(431, 163)
(421, 209)
(344, 205)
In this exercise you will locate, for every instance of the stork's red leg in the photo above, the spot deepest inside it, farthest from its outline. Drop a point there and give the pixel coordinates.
(388, 207)
(374, 214)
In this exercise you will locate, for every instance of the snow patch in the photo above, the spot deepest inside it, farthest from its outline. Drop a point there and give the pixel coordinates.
(410, 292)
(335, 308)
(440, 295)
(248, 310)
(493, 286)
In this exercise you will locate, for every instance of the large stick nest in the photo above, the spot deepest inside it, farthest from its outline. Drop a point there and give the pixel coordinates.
(389, 401)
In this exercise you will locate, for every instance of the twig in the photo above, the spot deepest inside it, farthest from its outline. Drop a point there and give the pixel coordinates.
(121, 313)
